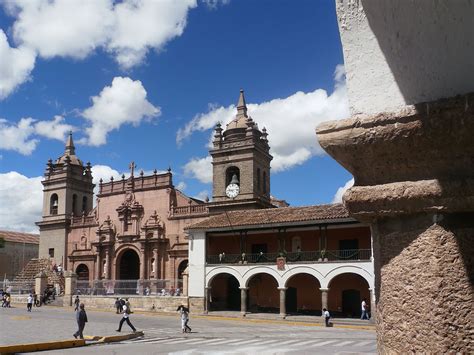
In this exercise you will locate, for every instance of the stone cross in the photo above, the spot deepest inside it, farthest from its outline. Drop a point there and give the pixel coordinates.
(132, 167)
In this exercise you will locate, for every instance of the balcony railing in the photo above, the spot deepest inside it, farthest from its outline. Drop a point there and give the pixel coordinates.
(294, 257)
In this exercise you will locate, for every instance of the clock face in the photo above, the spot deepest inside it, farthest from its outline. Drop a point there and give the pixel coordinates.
(232, 190)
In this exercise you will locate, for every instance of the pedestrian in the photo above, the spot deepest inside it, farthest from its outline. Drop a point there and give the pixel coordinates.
(364, 309)
(76, 304)
(118, 305)
(29, 303)
(326, 316)
(127, 303)
(184, 312)
(81, 318)
(125, 318)
(35, 299)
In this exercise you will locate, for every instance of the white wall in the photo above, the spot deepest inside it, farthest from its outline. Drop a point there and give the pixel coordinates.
(399, 52)
(197, 263)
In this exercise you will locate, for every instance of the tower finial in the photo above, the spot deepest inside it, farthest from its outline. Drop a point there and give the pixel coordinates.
(241, 105)
(70, 149)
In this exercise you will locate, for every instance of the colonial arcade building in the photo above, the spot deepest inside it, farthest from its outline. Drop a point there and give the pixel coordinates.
(246, 252)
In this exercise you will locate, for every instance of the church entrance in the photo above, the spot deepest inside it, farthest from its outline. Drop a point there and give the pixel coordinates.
(82, 272)
(129, 266)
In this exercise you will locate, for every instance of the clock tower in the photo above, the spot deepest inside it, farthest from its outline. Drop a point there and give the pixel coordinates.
(241, 164)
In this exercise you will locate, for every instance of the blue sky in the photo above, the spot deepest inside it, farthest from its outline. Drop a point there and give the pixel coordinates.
(147, 80)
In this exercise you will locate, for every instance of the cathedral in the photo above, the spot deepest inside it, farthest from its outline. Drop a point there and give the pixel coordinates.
(136, 230)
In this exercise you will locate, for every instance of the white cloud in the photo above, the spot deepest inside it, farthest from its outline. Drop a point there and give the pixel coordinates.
(15, 66)
(340, 191)
(203, 195)
(127, 29)
(22, 201)
(200, 169)
(54, 129)
(17, 137)
(181, 186)
(141, 25)
(290, 122)
(103, 172)
(122, 102)
(214, 4)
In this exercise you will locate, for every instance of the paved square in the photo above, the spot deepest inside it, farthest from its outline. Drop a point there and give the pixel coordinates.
(210, 335)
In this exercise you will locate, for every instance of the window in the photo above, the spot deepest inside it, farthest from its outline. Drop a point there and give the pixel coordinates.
(295, 244)
(51, 252)
(84, 204)
(230, 172)
(74, 204)
(53, 204)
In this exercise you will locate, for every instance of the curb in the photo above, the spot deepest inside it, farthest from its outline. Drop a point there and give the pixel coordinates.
(53, 345)
(112, 338)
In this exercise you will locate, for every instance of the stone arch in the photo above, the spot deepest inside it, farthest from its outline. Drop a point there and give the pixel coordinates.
(262, 270)
(348, 269)
(263, 294)
(226, 270)
(82, 271)
(303, 292)
(133, 261)
(302, 270)
(224, 292)
(53, 204)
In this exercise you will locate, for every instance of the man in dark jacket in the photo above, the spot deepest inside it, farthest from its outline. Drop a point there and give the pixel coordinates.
(81, 318)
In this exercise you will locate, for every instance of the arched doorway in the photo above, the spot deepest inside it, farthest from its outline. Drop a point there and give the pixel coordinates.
(346, 292)
(82, 272)
(263, 294)
(303, 295)
(129, 266)
(182, 266)
(225, 293)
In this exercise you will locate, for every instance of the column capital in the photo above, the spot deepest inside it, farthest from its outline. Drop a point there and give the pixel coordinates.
(324, 289)
(244, 288)
(282, 288)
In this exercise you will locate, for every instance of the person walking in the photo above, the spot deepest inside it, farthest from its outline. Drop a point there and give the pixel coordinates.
(326, 316)
(364, 309)
(118, 305)
(81, 318)
(76, 304)
(29, 303)
(184, 312)
(125, 318)
(35, 299)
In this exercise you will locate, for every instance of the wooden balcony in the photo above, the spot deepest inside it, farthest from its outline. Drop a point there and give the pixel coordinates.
(320, 256)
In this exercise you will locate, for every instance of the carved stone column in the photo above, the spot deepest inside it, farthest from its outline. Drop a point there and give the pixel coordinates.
(324, 298)
(207, 300)
(282, 301)
(155, 263)
(243, 300)
(97, 264)
(107, 263)
(414, 182)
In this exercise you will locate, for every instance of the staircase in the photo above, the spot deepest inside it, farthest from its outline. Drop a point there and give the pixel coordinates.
(33, 268)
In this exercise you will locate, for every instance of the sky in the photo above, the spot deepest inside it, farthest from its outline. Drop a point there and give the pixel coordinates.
(147, 81)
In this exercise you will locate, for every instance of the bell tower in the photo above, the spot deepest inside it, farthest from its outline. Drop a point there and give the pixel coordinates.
(67, 192)
(241, 164)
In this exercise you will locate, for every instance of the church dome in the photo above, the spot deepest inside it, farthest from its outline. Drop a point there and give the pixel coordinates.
(69, 153)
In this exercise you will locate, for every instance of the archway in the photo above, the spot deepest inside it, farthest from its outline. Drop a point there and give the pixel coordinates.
(263, 294)
(129, 266)
(82, 272)
(303, 295)
(225, 293)
(181, 267)
(346, 292)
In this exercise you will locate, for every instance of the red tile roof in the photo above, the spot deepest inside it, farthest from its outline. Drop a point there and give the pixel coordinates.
(17, 237)
(269, 216)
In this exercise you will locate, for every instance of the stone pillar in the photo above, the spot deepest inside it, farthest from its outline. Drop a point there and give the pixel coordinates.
(155, 263)
(185, 281)
(70, 286)
(41, 281)
(324, 298)
(414, 174)
(97, 265)
(107, 263)
(207, 300)
(243, 300)
(282, 301)
(373, 309)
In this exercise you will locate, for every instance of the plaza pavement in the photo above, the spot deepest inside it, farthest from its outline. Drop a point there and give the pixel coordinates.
(210, 335)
